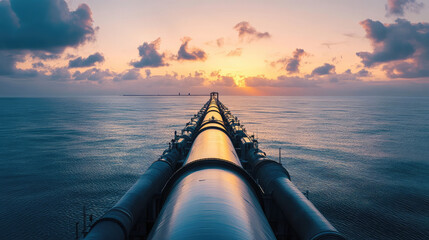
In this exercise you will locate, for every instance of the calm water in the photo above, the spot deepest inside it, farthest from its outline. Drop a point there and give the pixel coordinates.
(365, 160)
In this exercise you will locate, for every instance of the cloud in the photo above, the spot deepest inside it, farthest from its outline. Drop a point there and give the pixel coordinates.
(60, 74)
(130, 74)
(8, 60)
(329, 44)
(90, 61)
(44, 56)
(193, 54)
(323, 70)
(42, 29)
(402, 47)
(38, 65)
(220, 42)
(291, 65)
(398, 7)
(147, 72)
(224, 81)
(150, 57)
(43, 25)
(93, 74)
(174, 82)
(246, 31)
(236, 52)
(364, 73)
(281, 81)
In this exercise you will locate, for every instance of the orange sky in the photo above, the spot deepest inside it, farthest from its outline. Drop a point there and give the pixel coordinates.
(237, 40)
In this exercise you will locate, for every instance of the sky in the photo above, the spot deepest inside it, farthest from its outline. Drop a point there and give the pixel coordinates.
(235, 47)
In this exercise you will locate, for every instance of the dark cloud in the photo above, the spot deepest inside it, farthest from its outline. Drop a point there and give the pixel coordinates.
(193, 54)
(93, 74)
(61, 74)
(38, 65)
(90, 61)
(246, 31)
(341, 78)
(41, 29)
(236, 52)
(398, 7)
(291, 64)
(323, 70)
(8, 60)
(130, 74)
(44, 56)
(363, 73)
(402, 47)
(43, 25)
(150, 57)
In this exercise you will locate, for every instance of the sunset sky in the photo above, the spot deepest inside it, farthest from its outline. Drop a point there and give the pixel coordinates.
(301, 47)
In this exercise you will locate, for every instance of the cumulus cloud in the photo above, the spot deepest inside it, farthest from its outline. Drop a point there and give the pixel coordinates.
(43, 25)
(93, 74)
(193, 54)
(364, 73)
(291, 64)
(398, 7)
(325, 69)
(130, 74)
(150, 57)
(402, 47)
(90, 61)
(246, 31)
(42, 29)
(236, 52)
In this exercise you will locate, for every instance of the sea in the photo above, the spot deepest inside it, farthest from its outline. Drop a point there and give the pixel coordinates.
(363, 160)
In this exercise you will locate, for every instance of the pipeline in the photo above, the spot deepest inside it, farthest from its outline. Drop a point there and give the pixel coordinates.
(213, 182)
(211, 197)
(118, 222)
(274, 179)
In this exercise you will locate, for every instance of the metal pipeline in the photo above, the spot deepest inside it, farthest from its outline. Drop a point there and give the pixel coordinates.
(274, 179)
(301, 214)
(118, 222)
(212, 196)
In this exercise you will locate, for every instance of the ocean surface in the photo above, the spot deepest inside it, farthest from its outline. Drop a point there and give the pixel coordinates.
(364, 160)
